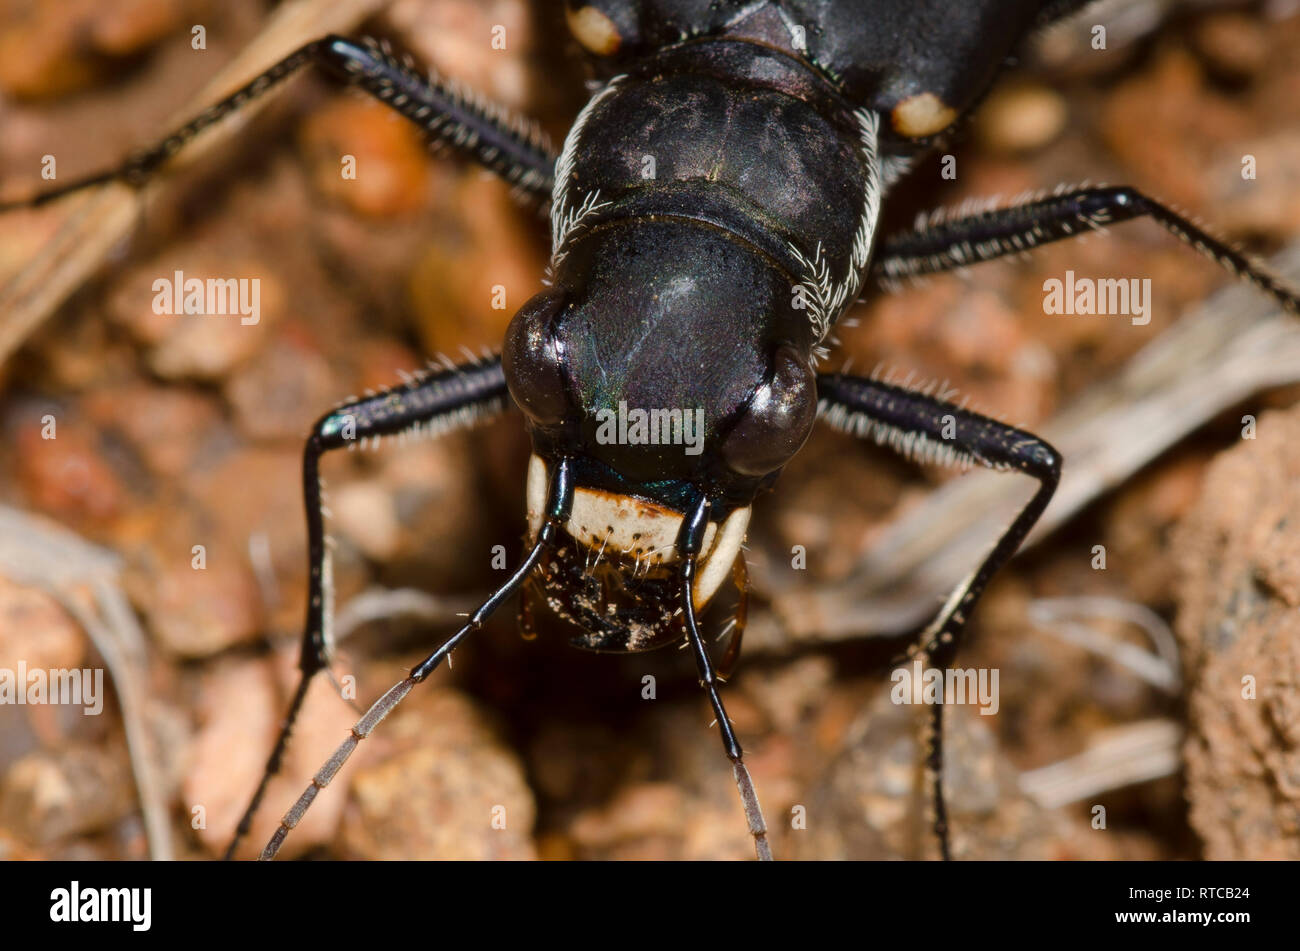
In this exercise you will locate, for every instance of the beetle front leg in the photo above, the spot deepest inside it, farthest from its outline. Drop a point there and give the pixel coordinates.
(436, 403)
(929, 430)
(558, 506)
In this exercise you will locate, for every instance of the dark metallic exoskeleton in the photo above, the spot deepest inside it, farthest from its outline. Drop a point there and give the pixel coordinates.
(713, 213)
(714, 209)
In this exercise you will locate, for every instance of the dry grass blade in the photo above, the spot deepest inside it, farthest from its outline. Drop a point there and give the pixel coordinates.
(1120, 757)
(378, 603)
(84, 579)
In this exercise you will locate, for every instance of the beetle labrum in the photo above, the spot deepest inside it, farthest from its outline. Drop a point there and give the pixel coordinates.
(701, 297)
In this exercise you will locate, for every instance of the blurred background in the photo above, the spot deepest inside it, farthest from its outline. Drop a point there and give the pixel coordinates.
(174, 433)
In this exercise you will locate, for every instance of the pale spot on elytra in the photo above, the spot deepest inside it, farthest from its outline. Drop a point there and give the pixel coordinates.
(921, 115)
(594, 30)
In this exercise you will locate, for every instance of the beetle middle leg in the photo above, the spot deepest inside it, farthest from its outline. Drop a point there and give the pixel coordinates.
(948, 244)
(510, 147)
(927, 429)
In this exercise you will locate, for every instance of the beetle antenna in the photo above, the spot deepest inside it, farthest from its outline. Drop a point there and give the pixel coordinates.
(557, 512)
(689, 543)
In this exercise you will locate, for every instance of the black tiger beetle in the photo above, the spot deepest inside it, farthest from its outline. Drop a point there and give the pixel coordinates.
(669, 370)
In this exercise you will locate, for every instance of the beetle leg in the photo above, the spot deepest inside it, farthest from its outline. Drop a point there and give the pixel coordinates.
(929, 430)
(948, 244)
(434, 404)
(512, 148)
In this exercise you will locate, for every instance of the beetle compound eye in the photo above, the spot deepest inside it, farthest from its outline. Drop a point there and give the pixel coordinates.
(777, 420)
(533, 360)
